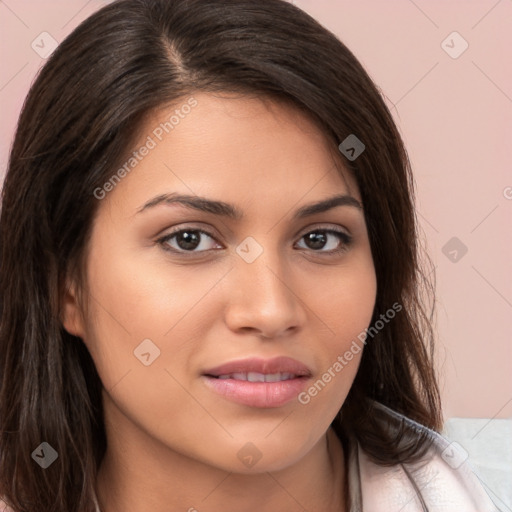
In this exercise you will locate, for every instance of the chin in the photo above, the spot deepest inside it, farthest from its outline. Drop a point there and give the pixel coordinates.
(261, 455)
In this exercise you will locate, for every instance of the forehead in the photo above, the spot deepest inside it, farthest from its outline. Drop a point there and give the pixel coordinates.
(234, 148)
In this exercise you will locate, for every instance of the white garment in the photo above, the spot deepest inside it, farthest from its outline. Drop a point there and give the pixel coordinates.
(442, 481)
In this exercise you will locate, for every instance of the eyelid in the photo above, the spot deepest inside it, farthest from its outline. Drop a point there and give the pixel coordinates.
(319, 226)
(166, 237)
(303, 231)
(345, 238)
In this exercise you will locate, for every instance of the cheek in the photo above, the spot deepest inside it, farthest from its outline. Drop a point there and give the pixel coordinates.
(145, 321)
(140, 304)
(344, 306)
(343, 301)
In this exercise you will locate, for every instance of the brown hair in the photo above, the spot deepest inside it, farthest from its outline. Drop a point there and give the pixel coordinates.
(80, 117)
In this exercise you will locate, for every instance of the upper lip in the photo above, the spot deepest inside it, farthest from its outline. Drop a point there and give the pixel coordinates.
(264, 366)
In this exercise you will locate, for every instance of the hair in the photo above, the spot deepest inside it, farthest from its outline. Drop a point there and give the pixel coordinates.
(81, 115)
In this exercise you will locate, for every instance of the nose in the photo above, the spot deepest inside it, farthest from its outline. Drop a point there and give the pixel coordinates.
(263, 298)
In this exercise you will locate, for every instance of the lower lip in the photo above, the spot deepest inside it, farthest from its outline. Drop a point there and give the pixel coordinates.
(257, 394)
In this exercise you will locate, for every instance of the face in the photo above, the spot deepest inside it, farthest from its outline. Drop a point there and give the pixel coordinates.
(191, 305)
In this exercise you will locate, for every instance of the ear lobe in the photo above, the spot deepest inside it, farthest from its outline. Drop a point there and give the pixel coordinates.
(70, 312)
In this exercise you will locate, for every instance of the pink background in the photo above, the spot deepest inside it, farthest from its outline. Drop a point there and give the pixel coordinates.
(455, 115)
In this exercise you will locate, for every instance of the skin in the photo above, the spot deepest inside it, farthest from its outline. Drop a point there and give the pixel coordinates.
(172, 442)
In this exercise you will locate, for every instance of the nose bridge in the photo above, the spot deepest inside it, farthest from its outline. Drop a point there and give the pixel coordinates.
(261, 267)
(264, 298)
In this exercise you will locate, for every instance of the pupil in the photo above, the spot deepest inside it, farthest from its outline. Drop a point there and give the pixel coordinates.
(316, 240)
(190, 239)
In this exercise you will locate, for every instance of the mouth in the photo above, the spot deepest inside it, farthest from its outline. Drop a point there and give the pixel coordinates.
(257, 377)
(257, 382)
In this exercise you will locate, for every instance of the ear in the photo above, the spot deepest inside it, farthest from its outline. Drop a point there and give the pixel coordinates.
(70, 311)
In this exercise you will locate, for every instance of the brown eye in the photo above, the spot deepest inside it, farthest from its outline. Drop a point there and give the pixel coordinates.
(187, 240)
(332, 240)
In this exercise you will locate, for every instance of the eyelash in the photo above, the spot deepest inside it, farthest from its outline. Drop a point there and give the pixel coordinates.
(342, 236)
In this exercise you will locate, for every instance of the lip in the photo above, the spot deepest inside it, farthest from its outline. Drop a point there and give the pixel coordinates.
(258, 394)
(274, 365)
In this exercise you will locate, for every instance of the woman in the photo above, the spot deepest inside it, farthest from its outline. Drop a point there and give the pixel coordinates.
(210, 277)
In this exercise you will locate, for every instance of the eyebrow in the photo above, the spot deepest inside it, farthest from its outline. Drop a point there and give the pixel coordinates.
(232, 212)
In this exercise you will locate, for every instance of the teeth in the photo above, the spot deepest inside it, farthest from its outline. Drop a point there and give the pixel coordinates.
(239, 376)
(274, 377)
(259, 377)
(255, 377)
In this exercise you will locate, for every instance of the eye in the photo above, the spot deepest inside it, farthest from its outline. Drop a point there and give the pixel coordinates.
(194, 240)
(188, 240)
(332, 240)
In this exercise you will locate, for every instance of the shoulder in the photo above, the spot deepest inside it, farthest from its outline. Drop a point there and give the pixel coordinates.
(441, 481)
